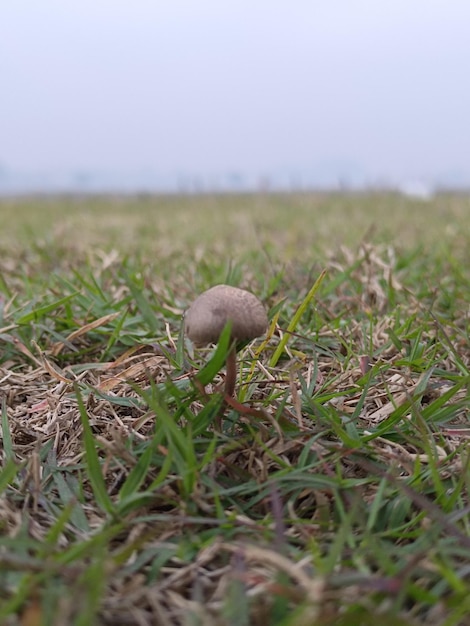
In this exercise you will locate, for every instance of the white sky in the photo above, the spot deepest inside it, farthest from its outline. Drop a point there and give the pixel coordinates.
(209, 86)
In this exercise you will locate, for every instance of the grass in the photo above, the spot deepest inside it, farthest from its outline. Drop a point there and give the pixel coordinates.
(337, 491)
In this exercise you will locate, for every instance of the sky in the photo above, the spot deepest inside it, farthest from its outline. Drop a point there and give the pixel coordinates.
(258, 87)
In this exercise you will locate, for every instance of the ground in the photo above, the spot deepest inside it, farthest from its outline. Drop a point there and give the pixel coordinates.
(336, 491)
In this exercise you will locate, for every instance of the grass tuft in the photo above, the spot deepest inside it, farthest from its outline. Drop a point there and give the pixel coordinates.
(336, 490)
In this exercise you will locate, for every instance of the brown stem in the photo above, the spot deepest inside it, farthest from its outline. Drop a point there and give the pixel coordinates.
(231, 375)
(230, 380)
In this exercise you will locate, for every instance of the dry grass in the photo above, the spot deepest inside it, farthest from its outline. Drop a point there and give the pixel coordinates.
(337, 492)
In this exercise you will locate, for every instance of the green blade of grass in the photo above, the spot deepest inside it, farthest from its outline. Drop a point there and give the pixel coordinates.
(179, 357)
(295, 320)
(77, 516)
(214, 365)
(8, 473)
(92, 459)
(44, 310)
(93, 580)
(55, 531)
(6, 434)
(138, 473)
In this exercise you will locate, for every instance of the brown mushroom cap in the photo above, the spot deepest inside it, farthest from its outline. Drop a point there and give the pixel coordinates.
(209, 313)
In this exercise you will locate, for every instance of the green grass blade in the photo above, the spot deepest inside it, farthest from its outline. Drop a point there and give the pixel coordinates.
(7, 443)
(295, 320)
(215, 364)
(179, 357)
(93, 463)
(139, 472)
(7, 473)
(77, 516)
(44, 310)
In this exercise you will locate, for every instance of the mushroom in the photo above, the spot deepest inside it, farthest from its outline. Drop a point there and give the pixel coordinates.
(213, 309)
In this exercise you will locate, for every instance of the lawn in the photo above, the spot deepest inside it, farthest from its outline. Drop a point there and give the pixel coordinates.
(336, 491)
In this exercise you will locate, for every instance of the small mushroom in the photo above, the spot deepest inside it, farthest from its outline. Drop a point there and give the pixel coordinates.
(213, 309)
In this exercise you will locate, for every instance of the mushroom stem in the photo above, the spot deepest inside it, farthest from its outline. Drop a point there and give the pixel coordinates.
(231, 375)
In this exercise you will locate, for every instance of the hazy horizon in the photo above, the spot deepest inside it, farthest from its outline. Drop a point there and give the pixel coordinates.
(202, 90)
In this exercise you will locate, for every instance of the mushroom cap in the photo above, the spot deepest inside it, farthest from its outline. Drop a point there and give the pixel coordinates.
(209, 313)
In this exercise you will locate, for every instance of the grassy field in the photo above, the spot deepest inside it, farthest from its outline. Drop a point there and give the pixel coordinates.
(337, 491)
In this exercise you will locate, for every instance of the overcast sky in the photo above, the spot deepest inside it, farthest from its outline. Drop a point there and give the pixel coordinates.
(255, 86)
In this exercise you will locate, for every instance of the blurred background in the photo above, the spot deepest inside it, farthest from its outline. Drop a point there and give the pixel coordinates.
(203, 95)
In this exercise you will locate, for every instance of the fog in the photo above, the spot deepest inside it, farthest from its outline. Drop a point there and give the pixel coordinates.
(356, 90)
